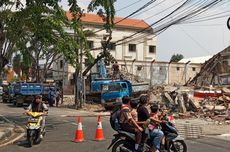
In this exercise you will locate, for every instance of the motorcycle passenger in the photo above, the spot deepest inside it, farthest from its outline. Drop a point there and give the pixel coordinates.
(38, 106)
(133, 105)
(143, 114)
(153, 125)
(128, 123)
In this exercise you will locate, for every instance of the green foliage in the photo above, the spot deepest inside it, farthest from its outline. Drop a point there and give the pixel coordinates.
(108, 13)
(176, 57)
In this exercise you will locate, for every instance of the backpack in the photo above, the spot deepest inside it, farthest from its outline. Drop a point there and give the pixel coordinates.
(115, 119)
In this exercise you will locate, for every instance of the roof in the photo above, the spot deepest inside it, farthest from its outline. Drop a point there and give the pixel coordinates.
(95, 19)
(201, 59)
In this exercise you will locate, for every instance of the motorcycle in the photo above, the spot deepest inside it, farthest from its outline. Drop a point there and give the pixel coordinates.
(34, 128)
(125, 141)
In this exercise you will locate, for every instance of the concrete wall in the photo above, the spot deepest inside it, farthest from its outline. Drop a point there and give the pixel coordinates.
(161, 72)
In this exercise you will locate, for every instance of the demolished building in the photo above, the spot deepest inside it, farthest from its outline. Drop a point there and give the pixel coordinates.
(215, 71)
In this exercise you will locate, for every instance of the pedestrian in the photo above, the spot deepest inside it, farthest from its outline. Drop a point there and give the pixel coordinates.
(57, 97)
(50, 97)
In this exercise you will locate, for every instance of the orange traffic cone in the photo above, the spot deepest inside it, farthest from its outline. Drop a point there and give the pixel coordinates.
(79, 135)
(99, 132)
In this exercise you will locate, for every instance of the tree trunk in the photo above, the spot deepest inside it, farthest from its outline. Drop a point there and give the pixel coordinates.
(3, 63)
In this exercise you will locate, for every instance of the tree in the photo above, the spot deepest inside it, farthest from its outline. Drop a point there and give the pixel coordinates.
(44, 36)
(176, 57)
(107, 14)
(9, 33)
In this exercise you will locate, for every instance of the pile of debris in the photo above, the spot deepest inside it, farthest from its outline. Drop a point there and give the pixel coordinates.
(184, 104)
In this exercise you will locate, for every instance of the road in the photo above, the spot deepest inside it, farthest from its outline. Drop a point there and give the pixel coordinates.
(61, 132)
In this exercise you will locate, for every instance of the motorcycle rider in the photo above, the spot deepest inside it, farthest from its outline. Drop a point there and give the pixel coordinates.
(155, 133)
(129, 124)
(38, 106)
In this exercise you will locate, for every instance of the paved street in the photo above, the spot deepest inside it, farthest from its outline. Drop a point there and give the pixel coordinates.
(61, 130)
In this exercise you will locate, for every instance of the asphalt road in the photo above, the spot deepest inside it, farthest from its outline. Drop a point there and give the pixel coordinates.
(61, 133)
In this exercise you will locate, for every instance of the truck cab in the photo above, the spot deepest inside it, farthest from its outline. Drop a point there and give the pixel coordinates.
(113, 92)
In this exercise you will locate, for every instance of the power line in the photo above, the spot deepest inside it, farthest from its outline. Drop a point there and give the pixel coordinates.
(184, 17)
(129, 5)
(138, 10)
(194, 40)
(164, 27)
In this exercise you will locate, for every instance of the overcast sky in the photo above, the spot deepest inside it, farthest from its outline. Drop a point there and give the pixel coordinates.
(191, 40)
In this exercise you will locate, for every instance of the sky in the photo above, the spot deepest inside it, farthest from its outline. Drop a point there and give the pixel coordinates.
(189, 39)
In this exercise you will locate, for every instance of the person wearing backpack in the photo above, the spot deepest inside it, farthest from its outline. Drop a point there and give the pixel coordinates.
(128, 124)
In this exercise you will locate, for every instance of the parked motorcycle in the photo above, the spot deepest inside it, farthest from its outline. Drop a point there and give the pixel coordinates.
(125, 141)
(34, 128)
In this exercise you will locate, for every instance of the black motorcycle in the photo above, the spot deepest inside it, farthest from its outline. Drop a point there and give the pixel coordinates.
(125, 141)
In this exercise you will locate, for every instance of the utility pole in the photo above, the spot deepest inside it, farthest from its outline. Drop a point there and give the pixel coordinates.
(151, 71)
(169, 71)
(80, 74)
(186, 69)
(76, 74)
(62, 91)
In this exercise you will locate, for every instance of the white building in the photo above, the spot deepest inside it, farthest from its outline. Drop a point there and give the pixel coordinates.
(132, 54)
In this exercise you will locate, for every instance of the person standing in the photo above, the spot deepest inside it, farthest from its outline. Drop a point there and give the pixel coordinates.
(57, 97)
(50, 97)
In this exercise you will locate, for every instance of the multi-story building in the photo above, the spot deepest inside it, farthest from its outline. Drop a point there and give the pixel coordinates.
(141, 47)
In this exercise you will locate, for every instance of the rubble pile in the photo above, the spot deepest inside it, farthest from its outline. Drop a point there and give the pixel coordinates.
(182, 102)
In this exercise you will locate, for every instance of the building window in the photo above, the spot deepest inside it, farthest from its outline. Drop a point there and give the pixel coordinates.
(178, 68)
(152, 49)
(193, 69)
(61, 64)
(112, 46)
(90, 44)
(132, 47)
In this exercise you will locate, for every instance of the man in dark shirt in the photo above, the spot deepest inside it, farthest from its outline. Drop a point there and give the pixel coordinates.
(143, 114)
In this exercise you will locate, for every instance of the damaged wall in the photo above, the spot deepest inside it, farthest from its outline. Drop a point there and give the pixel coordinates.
(158, 73)
(215, 71)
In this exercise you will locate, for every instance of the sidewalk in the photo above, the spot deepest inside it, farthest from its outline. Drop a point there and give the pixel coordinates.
(9, 132)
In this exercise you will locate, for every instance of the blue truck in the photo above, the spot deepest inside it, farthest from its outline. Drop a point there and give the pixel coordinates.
(25, 92)
(110, 92)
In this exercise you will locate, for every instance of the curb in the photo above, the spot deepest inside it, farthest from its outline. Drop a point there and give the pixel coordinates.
(6, 133)
(9, 132)
(15, 139)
